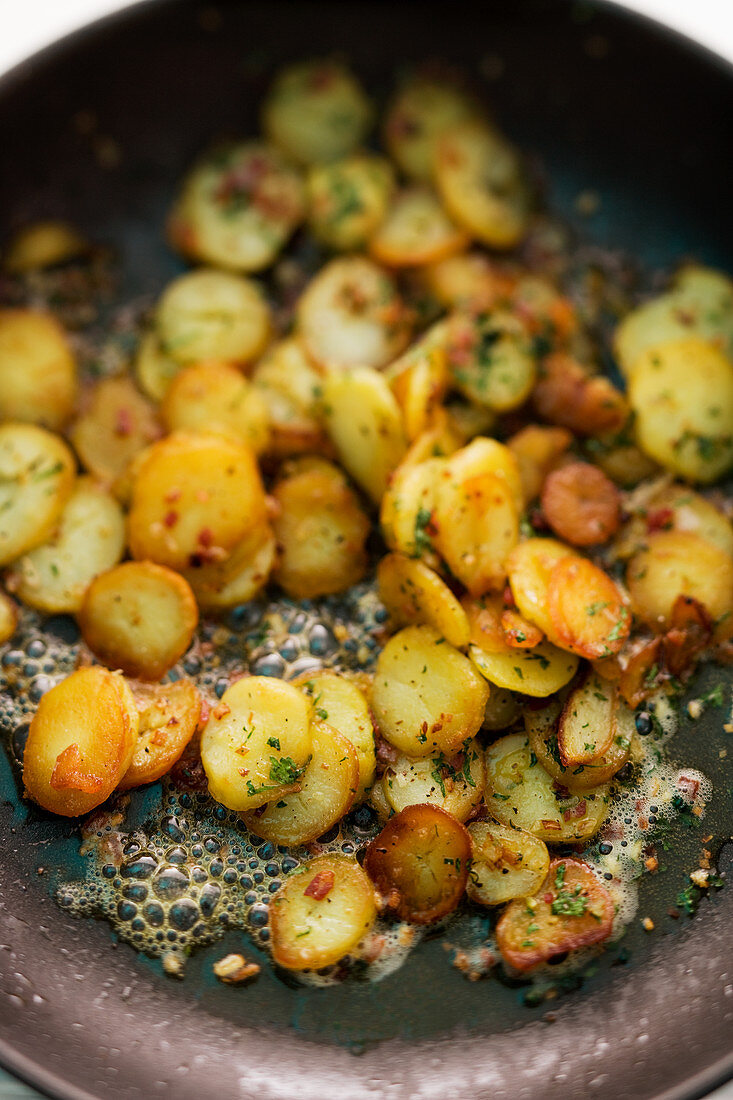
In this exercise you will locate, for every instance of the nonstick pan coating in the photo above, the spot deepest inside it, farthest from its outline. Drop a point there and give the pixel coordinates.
(606, 102)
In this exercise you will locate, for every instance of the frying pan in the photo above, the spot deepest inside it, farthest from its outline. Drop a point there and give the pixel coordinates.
(606, 101)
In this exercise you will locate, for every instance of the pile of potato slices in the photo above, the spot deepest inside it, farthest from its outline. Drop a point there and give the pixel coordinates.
(550, 547)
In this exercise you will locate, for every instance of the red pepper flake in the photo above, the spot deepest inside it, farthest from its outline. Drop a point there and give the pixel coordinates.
(320, 885)
(688, 787)
(659, 520)
(124, 423)
(170, 519)
(551, 825)
(548, 898)
(205, 537)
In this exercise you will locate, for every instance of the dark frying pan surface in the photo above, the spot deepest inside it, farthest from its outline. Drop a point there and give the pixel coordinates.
(609, 103)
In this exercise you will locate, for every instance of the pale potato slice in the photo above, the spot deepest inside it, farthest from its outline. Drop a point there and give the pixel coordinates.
(194, 498)
(238, 207)
(37, 473)
(541, 727)
(209, 314)
(529, 567)
(420, 112)
(476, 527)
(139, 617)
(480, 179)
(339, 702)
(538, 450)
(365, 424)
(378, 802)
(348, 199)
(116, 424)
(407, 509)
(467, 281)
(673, 508)
(521, 793)
(316, 111)
(426, 696)
(326, 791)
(219, 586)
(587, 723)
(256, 743)
(455, 785)
(291, 387)
(81, 741)
(538, 672)
(700, 303)
(491, 358)
(502, 709)
(320, 528)
(88, 539)
(413, 593)
(8, 617)
(506, 863)
(154, 369)
(320, 913)
(680, 563)
(351, 315)
(416, 231)
(682, 394)
(43, 244)
(216, 397)
(38, 376)
(169, 715)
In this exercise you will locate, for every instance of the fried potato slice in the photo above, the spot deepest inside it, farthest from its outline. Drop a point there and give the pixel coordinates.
(320, 528)
(169, 715)
(116, 425)
(140, 617)
(42, 244)
(320, 913)
(520, 792)
(568, 395)
(219, 586)
(37, 473)
(542, 729)
(316, 111)
(581, 504)
(194, 498)
(88, 539)
(81, 741)
(571, 909)
(423, 109)
(216, 397)
(35, 359)
(416, 231)
(419, 380)
(455, 785)
(587, 611)
(257, 743)
(470, 281)
(480, 179)
(529, 567)
(8, 617)
(588, 721)
(490, 358)
(327, 789)
(506, 863)
(339, 702)
(672, 508)
(407, 509)
(538, 672)
(290, 387)
(238, 207)
(538, 450)
(351, 315)
(348, 200)
(426, 695)
(365, 424)
(413, 593)
(419, 863)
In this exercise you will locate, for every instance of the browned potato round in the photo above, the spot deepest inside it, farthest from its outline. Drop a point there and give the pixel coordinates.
(215, 396)
(416, 231)
(218, 586)
(455, 785)
(413, 593)
(506, 863)
(419, 863)
(588, 721)
(529, 568)
(476, 528)
(8, 617)
(426, 696)
(81, 741)
(37, 472)
(327, 790)
(541, 726)
(193, 499)
(321, 912)
(339, 702)
(570, 909)
(139, 617)
(321, 530)
(169, 714)
(116, 425)
(37, 369)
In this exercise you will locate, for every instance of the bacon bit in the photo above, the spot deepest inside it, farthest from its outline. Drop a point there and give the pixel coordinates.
(124, 423)
(643, 823)
(170, 519)
(220, 711)
(68, 773)
(577, 811)
(552, 825)
(244, 772)
(651, 863)
(160, 736)
(688, 787)
(690, 632)
(548, 898)
(320, 886)
(204, 715)
(659, 520)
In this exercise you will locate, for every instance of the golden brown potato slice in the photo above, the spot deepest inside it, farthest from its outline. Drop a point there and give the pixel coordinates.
(426, 696)
(36, 362)
(37, 473)
(8, 617)
(117, 423)
(194, 498)
(339, 702)
(42, 244)
(476, 528)
(506, 863)
(321, 912)
(89, 539)
(541, 726)
(520, 792)
(316, 111)
(538, 450)
(413, 593)
(419, 379)
(257, 743)
(419, 863)
(216, 397)
(529, 567)
(571, 909)
(455, 785)
(581, 504)
(416, 231)
(470, 280)
(587, 611)
(290, 387)
(140, 617)
(490, 358)
(320, 529)
(407, 509)
(672, 508)
(327, 789)
(588, 721)
(348, 199)
(219, 586)
(169, 715)
(422, 110)
(81, 741)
